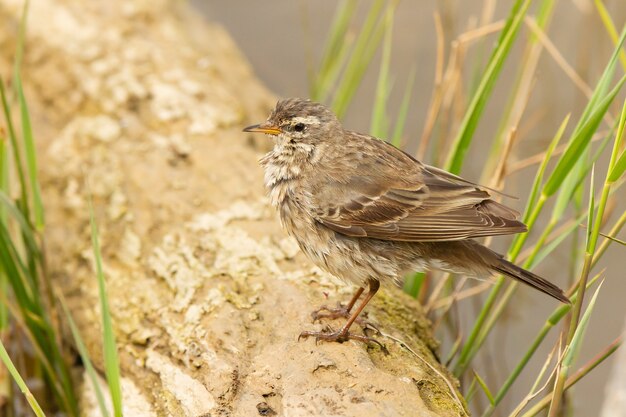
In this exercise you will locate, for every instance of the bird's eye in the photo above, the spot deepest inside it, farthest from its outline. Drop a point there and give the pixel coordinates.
(299, 127)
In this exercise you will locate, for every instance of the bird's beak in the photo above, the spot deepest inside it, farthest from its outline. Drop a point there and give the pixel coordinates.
(265, 127)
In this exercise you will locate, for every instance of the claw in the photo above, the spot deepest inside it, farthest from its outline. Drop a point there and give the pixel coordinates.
(332, 313)
(339, 336)
(341, 311)
(366, 325)
(342, 335)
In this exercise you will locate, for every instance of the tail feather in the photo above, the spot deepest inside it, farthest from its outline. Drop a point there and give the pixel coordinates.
(507, 268)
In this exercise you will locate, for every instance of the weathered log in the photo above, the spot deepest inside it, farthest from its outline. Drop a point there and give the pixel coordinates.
(139, 104)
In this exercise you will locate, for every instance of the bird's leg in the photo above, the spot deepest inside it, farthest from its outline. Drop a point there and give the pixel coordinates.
(344, 334)
(339, 311)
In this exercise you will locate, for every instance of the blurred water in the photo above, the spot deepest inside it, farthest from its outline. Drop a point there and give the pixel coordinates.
(282, 38)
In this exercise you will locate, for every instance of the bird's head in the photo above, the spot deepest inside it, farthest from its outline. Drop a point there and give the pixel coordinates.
(299, 122)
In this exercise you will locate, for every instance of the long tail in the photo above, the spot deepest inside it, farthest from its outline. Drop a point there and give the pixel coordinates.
(507, 268)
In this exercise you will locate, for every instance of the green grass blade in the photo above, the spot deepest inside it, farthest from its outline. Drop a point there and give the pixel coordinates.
(413, 284)
(616, 240)
(4, 188)
(617, 227)
(579, 142)
(17, 157)
(4, 312)
(484, 323)
(4, 169)
(576, 326)
(21, 260)
(605, 16)
(520, 90)
(556, 316)
(37, 323)
(16, 271)
(111, 360)
(379, 126)
(579, 334)
(482, 332)
(593, 226)
(533, 208)
(26, 232)
(475, 109)
(604, 82)
(617, 164)
(335, 52)
(591, 210)
(27, 134)
(323, 90)
(583, 371)
(84, 355)
(57, 375)
(471, 391)
(21, 37)
(567, 190)
(619, 168)
(398, 130)
(4, 282)
(337, 34)
(484, 387)
(534, 191)
(549, 248)
(31, 157)
(34, 405)
(593, 230)
(574, 181)
(20, 275)
(571, 352)
(365, 46)
(338, 31)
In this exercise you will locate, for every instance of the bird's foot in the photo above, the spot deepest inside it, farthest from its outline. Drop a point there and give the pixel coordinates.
(342, 311)
(340, 336)
(325, 312)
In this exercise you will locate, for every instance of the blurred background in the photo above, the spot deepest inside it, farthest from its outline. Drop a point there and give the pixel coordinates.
(284, 40)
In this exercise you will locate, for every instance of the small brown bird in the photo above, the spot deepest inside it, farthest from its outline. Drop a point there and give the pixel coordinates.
(367, 212)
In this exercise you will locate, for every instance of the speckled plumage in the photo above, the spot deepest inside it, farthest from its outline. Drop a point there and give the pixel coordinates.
(365, 211)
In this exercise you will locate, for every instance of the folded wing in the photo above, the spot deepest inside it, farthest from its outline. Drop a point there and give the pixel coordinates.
(404, 200)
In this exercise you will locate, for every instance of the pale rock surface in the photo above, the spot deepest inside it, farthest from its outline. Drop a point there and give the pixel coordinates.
(140, 105)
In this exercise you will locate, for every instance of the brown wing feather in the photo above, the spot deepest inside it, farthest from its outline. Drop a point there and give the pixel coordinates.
(395, 197)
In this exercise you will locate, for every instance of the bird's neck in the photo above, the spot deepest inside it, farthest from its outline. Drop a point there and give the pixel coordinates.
(286, 162)
(283, 166)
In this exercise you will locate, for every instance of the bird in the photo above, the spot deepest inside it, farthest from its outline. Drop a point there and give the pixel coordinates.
(368, 212)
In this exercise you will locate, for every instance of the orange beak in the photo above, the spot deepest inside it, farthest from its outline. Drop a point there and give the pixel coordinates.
(264, 127)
